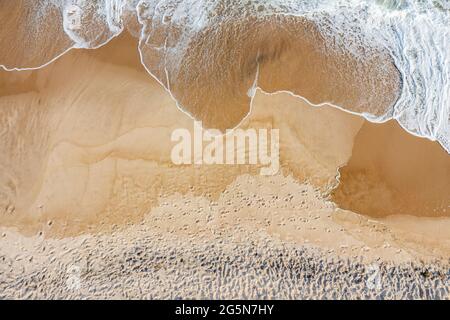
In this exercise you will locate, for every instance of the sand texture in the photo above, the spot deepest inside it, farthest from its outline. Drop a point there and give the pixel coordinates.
(252, 243)
(88, 189)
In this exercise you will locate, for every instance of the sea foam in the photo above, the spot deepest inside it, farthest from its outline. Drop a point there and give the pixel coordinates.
(415, 33)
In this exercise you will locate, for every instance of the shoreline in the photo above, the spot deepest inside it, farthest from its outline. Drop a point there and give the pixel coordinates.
(109, 154)
(87, 182)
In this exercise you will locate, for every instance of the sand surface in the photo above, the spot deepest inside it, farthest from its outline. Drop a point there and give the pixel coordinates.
(263, 238)
(87, 186)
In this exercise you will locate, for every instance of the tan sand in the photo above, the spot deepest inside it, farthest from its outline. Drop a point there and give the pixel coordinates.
(78, 137)
(85, 152)
(98, 138)
(392, 172)
(263, 238)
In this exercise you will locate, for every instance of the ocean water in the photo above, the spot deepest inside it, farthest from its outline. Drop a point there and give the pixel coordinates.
(415, 34)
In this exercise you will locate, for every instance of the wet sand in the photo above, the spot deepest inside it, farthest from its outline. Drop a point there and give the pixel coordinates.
(222, 64)
(392, 173)
(99, 140)
(87, 180)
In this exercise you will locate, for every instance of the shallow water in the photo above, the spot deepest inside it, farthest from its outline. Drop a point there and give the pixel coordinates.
(354, 41)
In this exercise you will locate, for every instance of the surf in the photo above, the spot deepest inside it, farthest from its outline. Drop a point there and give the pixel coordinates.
(413, 34)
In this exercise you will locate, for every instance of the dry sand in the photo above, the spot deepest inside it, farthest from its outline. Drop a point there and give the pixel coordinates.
(86, 180)
(263, 238)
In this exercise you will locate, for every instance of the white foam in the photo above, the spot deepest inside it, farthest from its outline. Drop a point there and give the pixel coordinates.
(416, 33)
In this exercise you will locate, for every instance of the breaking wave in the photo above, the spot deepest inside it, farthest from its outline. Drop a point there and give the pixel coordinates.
(379, 59)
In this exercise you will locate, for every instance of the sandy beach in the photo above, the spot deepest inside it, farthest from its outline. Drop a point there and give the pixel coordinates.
(251, 243)
(92, 206)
